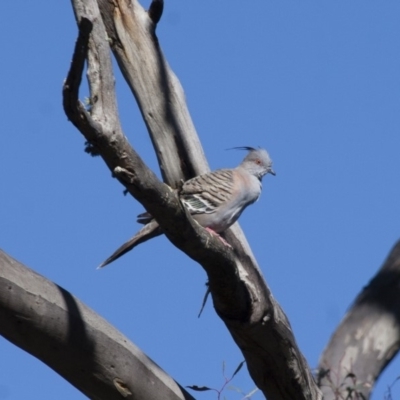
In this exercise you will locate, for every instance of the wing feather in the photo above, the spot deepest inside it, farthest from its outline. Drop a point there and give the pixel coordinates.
(205, 193)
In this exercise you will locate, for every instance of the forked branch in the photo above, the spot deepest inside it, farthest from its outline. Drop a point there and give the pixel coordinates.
(240, 295)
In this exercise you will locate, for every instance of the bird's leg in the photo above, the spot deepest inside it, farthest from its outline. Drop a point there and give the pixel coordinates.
(220, 237)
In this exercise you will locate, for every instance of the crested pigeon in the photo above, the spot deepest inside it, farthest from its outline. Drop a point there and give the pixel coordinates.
(215, 199)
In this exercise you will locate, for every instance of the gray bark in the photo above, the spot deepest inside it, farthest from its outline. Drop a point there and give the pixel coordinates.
(50, 323)
(367, 339)
(240, 295)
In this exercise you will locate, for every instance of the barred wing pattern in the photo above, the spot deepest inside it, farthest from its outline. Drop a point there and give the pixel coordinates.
(205, 193)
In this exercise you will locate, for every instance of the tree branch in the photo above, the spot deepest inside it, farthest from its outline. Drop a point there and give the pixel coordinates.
(241, 297)
(50, 323)
(368, 337)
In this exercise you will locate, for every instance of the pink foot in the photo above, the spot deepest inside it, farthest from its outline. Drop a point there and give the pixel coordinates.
(220, 237)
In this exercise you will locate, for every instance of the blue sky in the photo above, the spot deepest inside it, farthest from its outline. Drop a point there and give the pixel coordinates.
(317, 83)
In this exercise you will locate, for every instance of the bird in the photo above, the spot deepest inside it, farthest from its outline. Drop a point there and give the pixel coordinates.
(215, 199)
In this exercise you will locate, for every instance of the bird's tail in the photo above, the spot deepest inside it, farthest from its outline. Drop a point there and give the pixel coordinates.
(150, 230)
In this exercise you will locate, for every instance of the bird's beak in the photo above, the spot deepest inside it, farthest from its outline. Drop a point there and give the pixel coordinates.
(272, 172)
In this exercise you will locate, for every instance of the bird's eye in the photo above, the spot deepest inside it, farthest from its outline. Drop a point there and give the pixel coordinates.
(258, 161)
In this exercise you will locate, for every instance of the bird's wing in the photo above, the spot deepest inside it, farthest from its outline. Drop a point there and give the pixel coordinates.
(204, 194)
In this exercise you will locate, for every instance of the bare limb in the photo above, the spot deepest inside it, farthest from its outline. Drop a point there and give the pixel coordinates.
(50, 323)
(157, 90)
(241, 297)
(368, 337)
